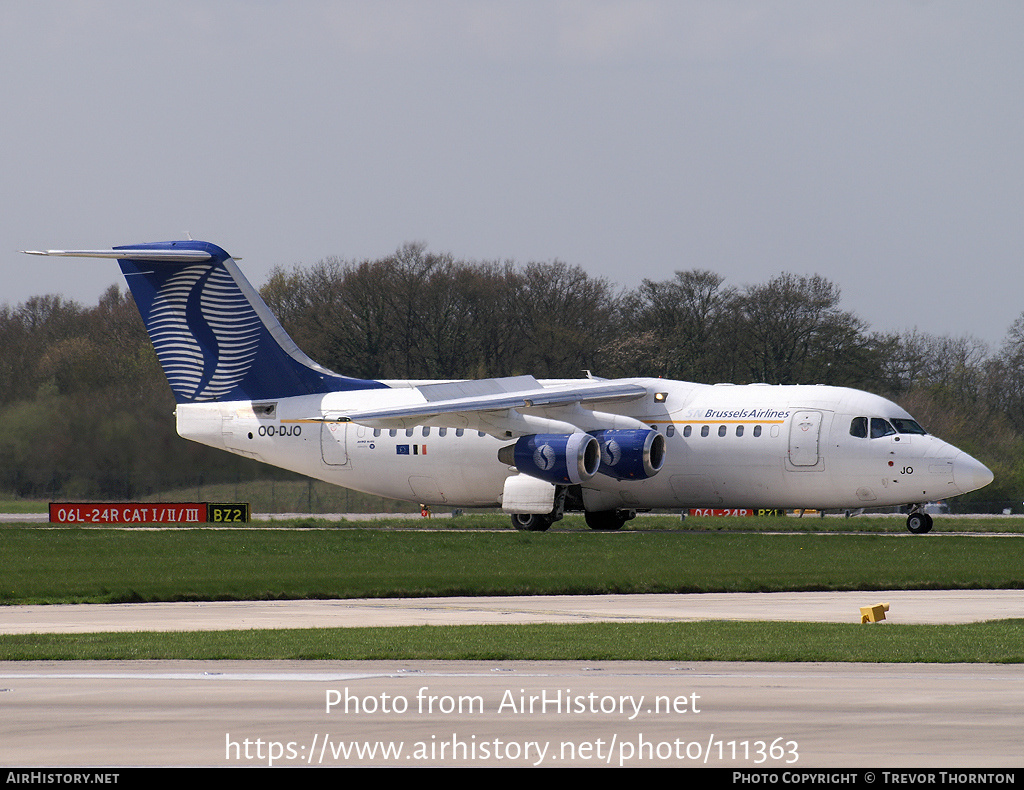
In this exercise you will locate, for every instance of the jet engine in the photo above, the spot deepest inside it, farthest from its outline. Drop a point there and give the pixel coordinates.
(630, 454)
(562, 459)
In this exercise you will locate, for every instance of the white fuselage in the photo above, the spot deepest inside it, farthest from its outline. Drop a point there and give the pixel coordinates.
(730, 446)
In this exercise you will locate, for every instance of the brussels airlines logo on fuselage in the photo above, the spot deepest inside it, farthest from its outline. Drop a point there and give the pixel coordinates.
(204, 331)
(704, 413)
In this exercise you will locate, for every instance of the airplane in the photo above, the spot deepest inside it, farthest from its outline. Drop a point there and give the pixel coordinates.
(536, 449)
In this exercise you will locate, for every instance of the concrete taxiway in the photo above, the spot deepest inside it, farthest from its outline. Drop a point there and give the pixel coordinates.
(941, 606)
(510, 714)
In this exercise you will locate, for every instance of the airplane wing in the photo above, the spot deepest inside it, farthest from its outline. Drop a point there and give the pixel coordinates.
(501, 405)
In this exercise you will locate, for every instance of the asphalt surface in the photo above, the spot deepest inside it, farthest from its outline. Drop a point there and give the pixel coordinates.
(512, 714)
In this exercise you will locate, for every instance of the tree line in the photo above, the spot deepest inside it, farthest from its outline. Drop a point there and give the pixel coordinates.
(86, 411)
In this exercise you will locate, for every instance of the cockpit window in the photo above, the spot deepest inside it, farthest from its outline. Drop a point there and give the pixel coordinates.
(875, 427)
(907, 426)
(880, 427)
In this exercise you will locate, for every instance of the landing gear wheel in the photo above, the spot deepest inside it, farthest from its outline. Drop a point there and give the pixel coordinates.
(607, 520)
(532, 522)
(919, 523)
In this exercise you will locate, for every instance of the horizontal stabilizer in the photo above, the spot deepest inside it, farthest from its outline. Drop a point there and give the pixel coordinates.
(162, 256)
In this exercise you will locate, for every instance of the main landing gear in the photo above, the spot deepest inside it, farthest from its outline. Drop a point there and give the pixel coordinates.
(919, 522)
(539, 522)
(532, 522)
(569, 498)
(603, 520)
(608, 519)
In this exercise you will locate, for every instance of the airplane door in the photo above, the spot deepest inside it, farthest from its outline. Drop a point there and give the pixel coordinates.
(332, 443)
(804, 437)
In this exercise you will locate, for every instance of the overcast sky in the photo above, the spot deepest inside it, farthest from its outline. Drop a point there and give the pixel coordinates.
(880, 144)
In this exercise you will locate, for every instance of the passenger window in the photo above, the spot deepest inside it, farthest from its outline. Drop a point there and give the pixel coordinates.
(880, 427)
(442, 431)
(426, 431)
(859, 427)
(687, 430)
(393, 432)
(704, 430)
(721, 430)
(757, 430)
(376, 431)
(459, 431)
(408, 431)
(670, 430)
(739, 430)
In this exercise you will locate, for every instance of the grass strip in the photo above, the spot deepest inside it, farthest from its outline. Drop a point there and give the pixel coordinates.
(998, 641)
(476, 520)
(116, 566)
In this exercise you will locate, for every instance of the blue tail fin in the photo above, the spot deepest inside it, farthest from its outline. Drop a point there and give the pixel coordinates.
(214, 335)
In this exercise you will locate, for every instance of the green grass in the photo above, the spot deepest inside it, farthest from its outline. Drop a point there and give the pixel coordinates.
(992, 642)
(107, 566)
(22, 506)
(71, 565)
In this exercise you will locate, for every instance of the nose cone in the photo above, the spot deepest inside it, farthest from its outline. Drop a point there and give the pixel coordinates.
(969, 474)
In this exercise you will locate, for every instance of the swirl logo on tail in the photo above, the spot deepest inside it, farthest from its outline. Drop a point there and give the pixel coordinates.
(205, 332)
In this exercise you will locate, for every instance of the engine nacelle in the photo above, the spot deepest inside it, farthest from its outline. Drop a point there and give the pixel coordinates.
(563, 459)
(630, 454)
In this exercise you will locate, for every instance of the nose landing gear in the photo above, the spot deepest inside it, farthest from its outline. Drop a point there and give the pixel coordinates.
(919, 522)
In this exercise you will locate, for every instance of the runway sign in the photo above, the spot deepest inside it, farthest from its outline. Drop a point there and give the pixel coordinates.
(743, 511)
(148, 513)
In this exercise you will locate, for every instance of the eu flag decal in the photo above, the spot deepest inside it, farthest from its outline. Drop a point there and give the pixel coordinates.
(403, 449)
